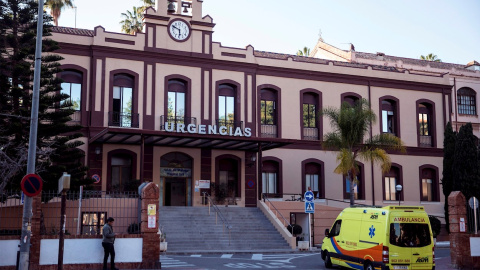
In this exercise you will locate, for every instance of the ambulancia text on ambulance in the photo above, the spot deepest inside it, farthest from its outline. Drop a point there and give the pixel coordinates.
(392, 237)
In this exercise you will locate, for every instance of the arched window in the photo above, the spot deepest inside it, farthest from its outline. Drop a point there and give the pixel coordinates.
(122, 101)
(313, 177)
(176, 103)
(72, 86)
(350, 98)
(358, 186)
(429, 183)
(269, 113)
(311, 121)
(227, 108)
(466, 100)
(271, 177)
(228, 176)
(390, 180)
(389, 116)
(426, 123)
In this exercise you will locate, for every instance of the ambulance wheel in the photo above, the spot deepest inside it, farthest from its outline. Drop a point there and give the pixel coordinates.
(327, 261)
(368, 266)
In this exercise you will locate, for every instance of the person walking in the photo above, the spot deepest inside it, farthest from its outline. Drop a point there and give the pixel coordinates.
(107, 244)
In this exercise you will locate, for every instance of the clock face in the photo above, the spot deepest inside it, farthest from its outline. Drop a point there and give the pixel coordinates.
(179, 30)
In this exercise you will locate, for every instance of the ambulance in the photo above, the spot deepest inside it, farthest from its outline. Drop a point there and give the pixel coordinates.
(388, 238)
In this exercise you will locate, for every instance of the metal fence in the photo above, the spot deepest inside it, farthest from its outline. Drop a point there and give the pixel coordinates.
(86, 212)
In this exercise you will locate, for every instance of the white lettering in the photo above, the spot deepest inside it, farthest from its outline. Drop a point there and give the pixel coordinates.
(248, 132)
(201, 129)
(192, 128)
(238, 132)
(223, 130)
(168, 127)
(212, 129)
(230, 129)
(181, 127)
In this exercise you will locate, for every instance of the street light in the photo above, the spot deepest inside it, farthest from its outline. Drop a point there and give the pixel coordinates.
(399, 189)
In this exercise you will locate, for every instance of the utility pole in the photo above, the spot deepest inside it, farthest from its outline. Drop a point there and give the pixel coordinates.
(32, 145)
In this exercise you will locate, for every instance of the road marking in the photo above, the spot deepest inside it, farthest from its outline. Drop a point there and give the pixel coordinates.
(257, 257)
(171, 263)
(196, 256)
(286, 258)
(226, 256)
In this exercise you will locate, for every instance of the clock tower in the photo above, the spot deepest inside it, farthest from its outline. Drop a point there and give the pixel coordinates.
(177, 27)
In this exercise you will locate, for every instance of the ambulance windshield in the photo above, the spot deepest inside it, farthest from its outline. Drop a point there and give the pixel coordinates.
(410, 234)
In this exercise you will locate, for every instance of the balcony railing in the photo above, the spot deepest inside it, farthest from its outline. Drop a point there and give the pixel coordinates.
(175, 120)
(269, 131)
(310, 134)
(425, 141)
(228, 124)
(117, 119)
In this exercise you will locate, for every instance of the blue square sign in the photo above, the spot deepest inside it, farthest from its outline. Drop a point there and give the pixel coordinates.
(309, 207)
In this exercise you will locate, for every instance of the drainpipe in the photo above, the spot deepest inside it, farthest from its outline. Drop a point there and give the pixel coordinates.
(371, 135)
(456, 112)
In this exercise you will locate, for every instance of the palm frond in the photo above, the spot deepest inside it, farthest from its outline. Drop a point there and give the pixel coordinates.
(377, 155)
(346, 161)
(385, 141)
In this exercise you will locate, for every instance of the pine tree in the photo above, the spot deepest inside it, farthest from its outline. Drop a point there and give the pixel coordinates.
(448, 158)
(57, 150)
(466, 175)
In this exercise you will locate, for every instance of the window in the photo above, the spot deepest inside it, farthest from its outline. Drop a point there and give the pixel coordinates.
(122, 101)
(466, 100)
(228, 177)
(268, 113)
(350, 98)
(410, 234)
(176, 101)
(358, 186)
(390, 181)
(72, 86)
(313, 177)
(121, 166)
(92, 222)
(311, 122)
(226, 105)
(270, 177)
(428, 183)
(426, 123)
(389, 115)
(335, 231)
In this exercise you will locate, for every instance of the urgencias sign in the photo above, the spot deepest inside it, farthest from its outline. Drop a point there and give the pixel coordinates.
(208, 129)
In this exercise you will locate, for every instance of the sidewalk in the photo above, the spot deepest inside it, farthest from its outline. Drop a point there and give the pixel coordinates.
(444, 263)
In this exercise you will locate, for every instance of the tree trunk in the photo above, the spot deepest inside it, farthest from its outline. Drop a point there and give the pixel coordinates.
(352, 195)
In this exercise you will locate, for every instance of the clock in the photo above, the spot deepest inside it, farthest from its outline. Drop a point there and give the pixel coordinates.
(179, 30)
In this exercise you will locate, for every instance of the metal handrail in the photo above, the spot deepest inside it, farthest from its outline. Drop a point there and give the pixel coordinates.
(211, 203)
(265, 198)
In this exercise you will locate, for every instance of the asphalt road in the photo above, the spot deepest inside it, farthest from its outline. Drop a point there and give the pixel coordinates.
(304, 261)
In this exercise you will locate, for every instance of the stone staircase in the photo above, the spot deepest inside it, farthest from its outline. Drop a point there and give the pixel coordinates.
(192, 230)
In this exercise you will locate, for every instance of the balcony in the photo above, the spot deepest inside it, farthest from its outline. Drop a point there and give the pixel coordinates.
(310, 134)
(175, 120)
(229, 124)
(269, 131)
(118, 119)
(425, 141)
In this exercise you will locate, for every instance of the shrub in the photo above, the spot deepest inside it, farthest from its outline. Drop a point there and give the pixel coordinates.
(297, 229)
(133, 228)
(435, 224)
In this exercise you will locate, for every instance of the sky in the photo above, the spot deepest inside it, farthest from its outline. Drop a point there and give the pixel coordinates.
(406, 28)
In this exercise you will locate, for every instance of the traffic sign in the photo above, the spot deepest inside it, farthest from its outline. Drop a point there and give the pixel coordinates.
(309, 207)
(31, 184)
(250, 183)
(309, 196)
(96, 178)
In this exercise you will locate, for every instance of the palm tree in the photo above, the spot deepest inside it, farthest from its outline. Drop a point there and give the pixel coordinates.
(350, 125)
(132, 22)
(56, 7)
(146, 4)
(431, 57)
(305, 52)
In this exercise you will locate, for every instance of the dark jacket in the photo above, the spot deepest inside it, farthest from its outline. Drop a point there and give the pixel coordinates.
(108, 235)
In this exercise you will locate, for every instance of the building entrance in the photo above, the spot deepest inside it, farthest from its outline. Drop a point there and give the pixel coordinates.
(175, 179)
(175, 192)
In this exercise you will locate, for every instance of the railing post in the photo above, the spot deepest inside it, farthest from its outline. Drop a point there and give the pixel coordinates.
(216, 215)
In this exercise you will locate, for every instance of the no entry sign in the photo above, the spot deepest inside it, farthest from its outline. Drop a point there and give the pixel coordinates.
(31, 185)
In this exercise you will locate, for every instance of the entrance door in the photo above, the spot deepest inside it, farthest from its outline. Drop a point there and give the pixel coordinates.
(175, 192)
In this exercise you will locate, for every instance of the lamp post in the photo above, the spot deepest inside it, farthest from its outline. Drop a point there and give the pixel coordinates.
(399, 190)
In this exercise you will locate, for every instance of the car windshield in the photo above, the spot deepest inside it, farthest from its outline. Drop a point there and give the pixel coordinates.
(410, 234)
